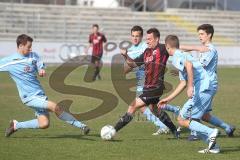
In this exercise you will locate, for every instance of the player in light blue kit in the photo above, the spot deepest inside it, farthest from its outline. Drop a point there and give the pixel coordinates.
(137, 48)
(199, 92)
(209, 61)
(23, 67)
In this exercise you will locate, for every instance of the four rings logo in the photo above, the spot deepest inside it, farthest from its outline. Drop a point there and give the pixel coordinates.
(71, 51)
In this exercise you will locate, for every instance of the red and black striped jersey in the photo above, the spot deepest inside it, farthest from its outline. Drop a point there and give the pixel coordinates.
(97, 41)
(155, 63)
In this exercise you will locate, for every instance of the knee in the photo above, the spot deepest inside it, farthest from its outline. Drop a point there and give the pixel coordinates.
(132, 109)
(55, 108)
(44, 124)
(58, 109)
(181, 121)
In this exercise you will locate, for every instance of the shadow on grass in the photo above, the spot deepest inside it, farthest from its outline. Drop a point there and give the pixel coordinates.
(89, 137)
(80, 137)
(230, 149)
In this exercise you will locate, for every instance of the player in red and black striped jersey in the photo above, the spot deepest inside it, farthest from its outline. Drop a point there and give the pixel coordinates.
(154, 59)
(96, 40)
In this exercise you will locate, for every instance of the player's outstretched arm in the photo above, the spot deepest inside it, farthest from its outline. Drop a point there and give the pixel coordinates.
(199, 49)
(87, 48)
(127, 68)
(189, 68)
(130, 62)
(40, 65)
(174, 94)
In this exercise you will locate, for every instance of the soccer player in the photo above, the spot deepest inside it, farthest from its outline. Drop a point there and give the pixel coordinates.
(154, 59)
(23, 67)
(96, 40)
(137, 48)
(209, 61)
(199, 91)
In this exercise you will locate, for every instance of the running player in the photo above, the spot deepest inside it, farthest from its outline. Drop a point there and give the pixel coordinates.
(154, 59)
(137, 48)
(96, 40)
(209, 61)
(23, 67)
(199, 91)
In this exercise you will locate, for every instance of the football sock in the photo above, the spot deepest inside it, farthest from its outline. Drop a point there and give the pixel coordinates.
(33, 124)
(163, 116)
(198, 127)
(219, 123)
(97, 70)
(124, 120)
(152, 118)
(71, 120)
(202, 136)
(171, 108)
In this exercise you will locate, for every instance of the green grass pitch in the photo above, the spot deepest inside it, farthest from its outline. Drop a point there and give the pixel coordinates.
(64, 142)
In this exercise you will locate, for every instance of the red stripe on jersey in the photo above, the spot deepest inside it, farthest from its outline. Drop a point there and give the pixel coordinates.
(148, 67)
(97, 42)
(157, 68)
(155, 63)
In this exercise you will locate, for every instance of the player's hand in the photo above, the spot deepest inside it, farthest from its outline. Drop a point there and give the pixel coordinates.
(123, 52)
(162, 103)
(42, 73)
(190, 91)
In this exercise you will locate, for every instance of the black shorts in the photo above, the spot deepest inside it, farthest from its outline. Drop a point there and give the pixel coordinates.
(96, 58)
(151, 95)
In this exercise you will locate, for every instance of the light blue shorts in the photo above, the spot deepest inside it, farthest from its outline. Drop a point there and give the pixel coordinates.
(39, 103)
(198, 105)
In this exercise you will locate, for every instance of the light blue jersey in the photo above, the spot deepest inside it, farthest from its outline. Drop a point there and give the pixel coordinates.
(201, 78)
(23, 70)
(209, 60)
(199, 104)
(133, 52)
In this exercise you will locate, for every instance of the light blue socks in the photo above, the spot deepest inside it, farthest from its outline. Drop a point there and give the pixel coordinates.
(32, 124)
(198, 127)
(171, 108)
(219, 123)
(71, 120)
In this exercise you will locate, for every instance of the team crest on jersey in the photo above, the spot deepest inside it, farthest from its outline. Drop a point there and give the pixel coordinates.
(149, 59)
(27, 69)
(154, 52)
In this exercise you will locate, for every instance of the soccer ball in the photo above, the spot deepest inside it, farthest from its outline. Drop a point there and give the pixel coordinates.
(108, 132)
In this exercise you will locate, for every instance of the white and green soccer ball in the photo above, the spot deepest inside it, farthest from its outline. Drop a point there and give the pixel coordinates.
(108, 132)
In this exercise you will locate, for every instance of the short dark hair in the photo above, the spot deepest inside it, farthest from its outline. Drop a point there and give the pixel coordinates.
(172, 40)
(208, 28)
(154, 31)
(95, 25)
(137, 28)
(23, 39)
